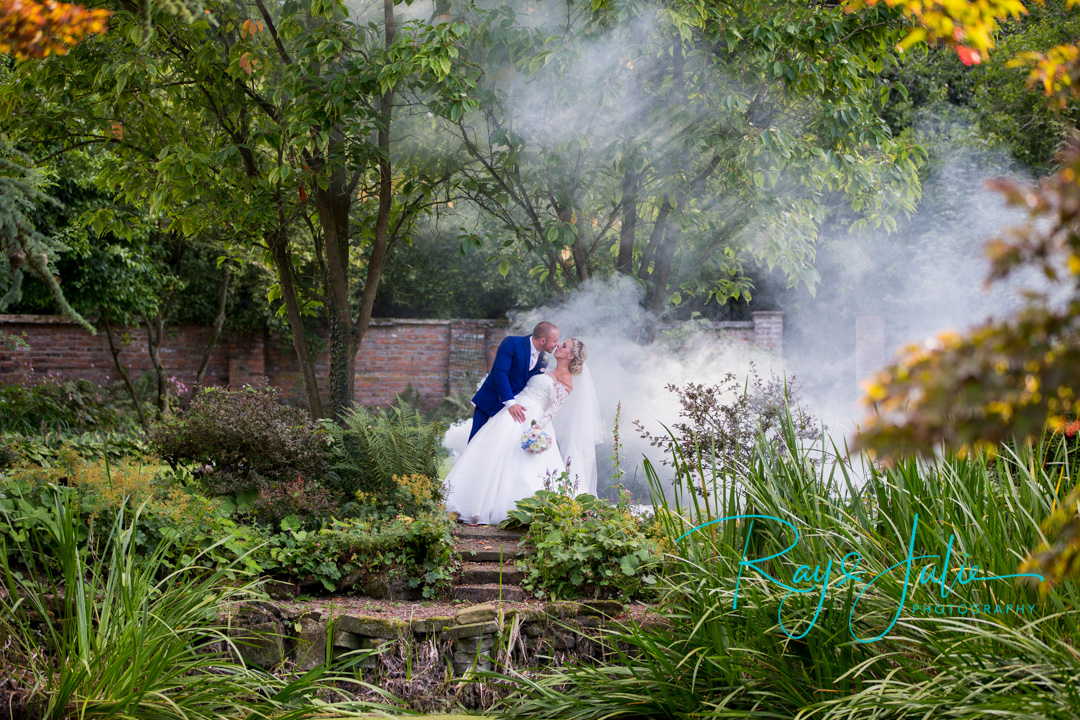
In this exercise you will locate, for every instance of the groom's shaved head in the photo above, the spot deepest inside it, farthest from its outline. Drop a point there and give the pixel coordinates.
(545, 330)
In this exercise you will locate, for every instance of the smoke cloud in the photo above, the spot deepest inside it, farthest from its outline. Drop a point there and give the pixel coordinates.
(606, 314)
(923, 279)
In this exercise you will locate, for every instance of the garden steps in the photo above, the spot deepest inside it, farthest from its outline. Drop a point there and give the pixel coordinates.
(489, 572)
(488, 532)
(488, 552)
(488, 592)
(481, 573)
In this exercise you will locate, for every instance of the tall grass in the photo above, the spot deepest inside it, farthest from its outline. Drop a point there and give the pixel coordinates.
(735, 643)
(126, 636)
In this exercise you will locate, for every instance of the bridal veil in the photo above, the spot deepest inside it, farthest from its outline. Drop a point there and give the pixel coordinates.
(580, 428)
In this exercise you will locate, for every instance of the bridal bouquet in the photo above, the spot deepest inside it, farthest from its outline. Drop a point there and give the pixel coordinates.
(534, 440)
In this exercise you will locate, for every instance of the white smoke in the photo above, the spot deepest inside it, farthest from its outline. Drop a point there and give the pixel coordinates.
(606, 314)
(926, 278)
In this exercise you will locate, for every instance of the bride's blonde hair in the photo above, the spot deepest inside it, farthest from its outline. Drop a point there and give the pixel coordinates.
(577, 349)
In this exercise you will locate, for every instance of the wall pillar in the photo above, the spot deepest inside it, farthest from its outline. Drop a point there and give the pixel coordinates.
(769, 331)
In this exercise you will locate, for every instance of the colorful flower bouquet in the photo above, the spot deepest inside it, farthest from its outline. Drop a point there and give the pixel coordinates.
(534, 440)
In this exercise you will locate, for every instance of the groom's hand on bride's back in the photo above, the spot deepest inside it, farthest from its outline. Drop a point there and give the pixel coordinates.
(518, 412)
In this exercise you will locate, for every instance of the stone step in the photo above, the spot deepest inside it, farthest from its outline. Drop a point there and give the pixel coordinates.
(488, 593)
(483, 551)
(492, 572)
(488, 532)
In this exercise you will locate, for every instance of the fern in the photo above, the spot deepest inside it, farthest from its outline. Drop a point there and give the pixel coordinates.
(369, 450)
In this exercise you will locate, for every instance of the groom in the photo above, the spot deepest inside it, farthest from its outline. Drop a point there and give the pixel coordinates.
(518, 359)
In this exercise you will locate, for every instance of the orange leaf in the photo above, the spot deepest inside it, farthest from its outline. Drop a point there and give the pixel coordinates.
(968, 56)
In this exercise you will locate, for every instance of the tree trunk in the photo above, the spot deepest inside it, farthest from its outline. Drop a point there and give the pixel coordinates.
(155, 335)
(215, 335)
(277, 241)
(665, 253)
(380, 249)
(333, 204)
(625, 262)
(655, 238)
(124, 375)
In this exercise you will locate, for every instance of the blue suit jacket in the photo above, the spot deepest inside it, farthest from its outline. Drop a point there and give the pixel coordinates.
(508, 375)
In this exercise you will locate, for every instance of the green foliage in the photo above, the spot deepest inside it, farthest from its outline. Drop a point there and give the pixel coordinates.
(583, 546)
(369, 450)
(8, 454)
(23, 248)
(51, 448)
(126, 634)
(376, 554)
(993, 97)
(412, 495)
(435, 278)
(307, 500)
(243, 440)
(717, 648)
(601, 132)
(195, 528)
(49, 403)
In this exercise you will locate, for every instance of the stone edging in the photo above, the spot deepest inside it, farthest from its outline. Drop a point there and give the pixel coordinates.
(267, 636)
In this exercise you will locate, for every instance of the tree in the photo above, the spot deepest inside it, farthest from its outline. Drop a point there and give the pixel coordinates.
(23, 248)
(1013, 377)
(676, 142)
(994, 96)
(276, 123)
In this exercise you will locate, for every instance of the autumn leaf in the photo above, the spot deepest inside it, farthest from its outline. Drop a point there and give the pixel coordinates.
(968, 56)
(30, 29)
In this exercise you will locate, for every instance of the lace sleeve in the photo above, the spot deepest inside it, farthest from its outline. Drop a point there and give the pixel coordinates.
(556, 398)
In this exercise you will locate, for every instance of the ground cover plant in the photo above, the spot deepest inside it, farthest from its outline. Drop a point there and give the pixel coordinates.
(374, 452)
(736, 641)
(51, 403)
(583, 546)
(383, 557)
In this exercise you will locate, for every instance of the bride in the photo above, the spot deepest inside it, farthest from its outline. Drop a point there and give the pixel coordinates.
(496, 470)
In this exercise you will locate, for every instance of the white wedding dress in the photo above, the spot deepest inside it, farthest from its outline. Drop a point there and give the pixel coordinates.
(494, 472)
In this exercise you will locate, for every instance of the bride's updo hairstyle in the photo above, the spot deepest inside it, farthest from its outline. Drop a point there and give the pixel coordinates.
(580, 355)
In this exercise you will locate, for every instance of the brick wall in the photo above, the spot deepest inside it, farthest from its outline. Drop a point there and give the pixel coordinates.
(433, 357)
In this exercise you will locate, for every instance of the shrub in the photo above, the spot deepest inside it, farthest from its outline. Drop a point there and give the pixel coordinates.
(49, 403)
(725, 422)
(308, 500)
(583, 545)
(243, 440)
(191, 524)
(103, 486)
(418, 552)
(9, 454)
(370, 450)
(411, 495)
